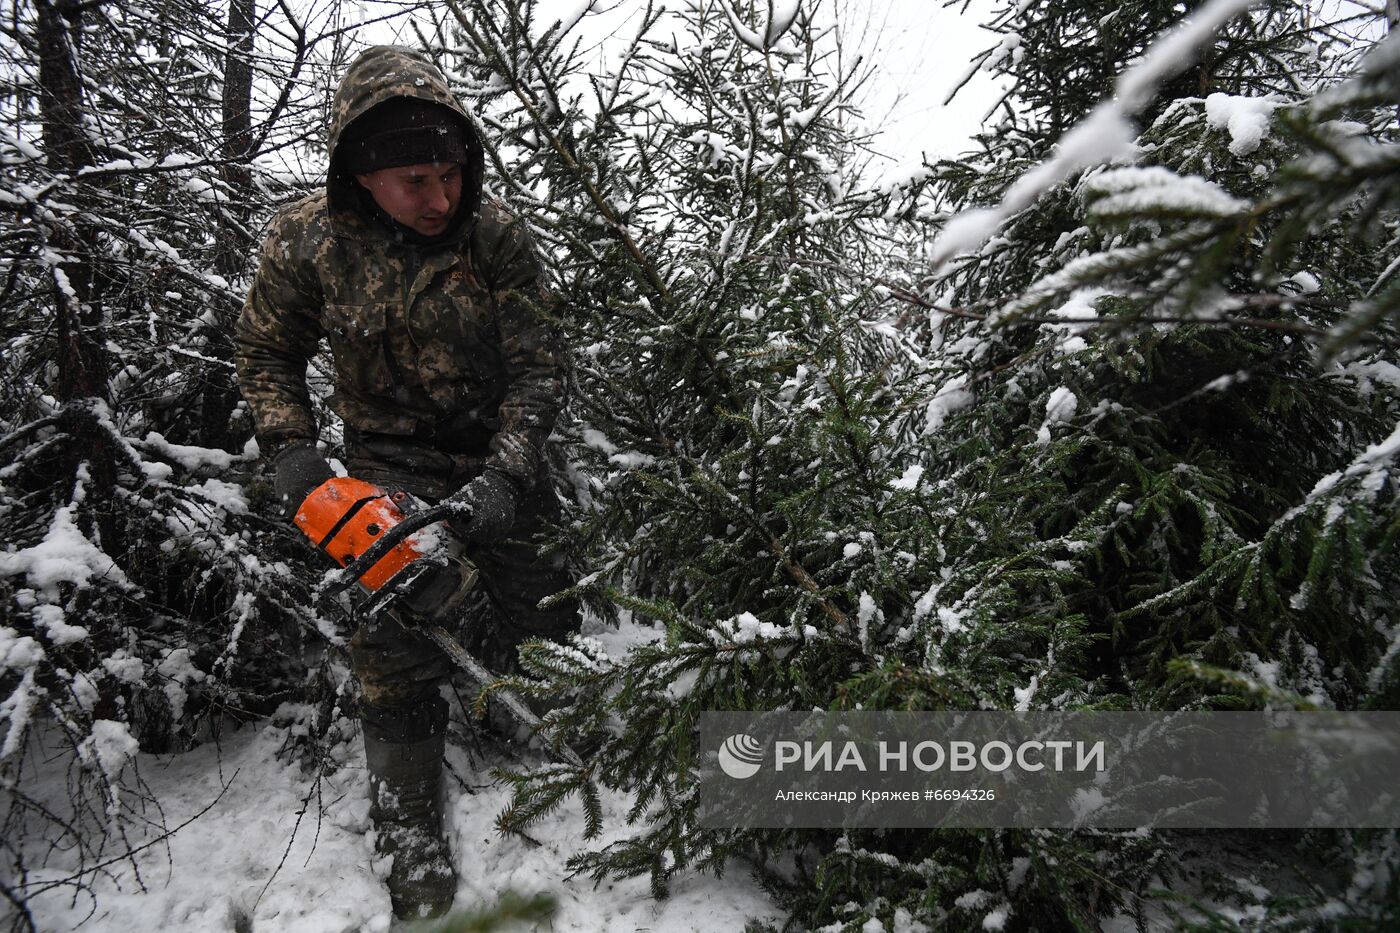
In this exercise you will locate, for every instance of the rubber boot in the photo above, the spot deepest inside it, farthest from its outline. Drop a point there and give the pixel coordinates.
(403, 752)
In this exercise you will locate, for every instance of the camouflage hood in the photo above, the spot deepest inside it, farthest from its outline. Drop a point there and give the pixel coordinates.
(382, 73)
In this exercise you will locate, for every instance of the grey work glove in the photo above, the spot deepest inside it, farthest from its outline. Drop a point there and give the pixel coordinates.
(300, 468)
(486, 508)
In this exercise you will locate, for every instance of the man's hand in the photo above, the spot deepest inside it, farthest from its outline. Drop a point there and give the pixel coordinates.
(300, 468)
(487, 508)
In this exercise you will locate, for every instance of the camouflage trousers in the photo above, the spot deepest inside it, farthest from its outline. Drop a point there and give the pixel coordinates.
(398, 668)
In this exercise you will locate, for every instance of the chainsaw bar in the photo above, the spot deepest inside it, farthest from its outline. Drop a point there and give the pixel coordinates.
(482, 675)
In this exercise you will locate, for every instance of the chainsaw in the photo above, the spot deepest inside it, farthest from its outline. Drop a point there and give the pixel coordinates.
(401, 552)
(386, 543)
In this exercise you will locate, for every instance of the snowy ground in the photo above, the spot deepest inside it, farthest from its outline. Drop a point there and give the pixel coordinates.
(210, 876)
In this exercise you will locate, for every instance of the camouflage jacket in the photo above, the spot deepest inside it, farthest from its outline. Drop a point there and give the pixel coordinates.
(448, 347)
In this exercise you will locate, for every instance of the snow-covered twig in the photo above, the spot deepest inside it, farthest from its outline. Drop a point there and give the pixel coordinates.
(781, 15)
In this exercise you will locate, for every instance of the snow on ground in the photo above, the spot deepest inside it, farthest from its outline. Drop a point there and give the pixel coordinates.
(209, 878)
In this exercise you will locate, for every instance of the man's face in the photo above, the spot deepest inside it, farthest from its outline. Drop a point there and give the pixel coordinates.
(421, 197)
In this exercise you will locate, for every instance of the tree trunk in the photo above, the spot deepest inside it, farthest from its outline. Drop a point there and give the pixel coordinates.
(210, 410)
(238, 138)
(1392, 16)
(81, 360)
(78, 291)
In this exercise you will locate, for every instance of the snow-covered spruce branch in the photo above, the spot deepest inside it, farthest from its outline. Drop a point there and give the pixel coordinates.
(1103, 135)
(1012, 315)
(795, 570)
(791, 566)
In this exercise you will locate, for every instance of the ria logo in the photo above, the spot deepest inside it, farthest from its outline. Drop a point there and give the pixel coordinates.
(740, 756)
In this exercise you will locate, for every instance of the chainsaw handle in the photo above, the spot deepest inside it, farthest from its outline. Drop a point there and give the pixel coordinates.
(348, 576)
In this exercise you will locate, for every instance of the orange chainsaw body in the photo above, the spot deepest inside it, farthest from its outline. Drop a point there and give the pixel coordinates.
(344, 516)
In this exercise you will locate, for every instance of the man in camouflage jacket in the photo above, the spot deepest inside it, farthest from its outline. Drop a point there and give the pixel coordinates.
(448, 380)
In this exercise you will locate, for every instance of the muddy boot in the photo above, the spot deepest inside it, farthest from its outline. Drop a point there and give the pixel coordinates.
(403, 751)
